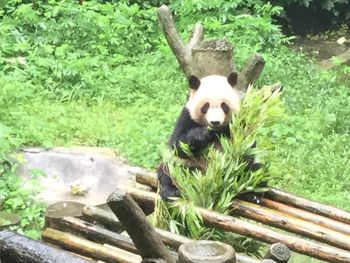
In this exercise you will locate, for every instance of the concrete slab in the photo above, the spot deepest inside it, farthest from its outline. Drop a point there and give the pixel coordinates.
(81, 174)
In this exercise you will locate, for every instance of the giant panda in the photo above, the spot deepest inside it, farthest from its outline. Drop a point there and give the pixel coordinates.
(211, 104)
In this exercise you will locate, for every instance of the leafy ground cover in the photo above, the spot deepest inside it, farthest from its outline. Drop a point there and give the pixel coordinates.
(101, 74)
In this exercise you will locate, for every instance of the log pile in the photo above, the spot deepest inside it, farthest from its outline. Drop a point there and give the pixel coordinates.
(97, 233)
(322, 231)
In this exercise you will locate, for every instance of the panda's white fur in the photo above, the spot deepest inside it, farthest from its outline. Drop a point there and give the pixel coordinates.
(215, 90)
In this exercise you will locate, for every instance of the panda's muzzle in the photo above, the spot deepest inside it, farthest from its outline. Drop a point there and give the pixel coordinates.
(215, 123)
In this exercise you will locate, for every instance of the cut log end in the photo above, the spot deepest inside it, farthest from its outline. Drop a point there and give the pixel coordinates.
(278, 252)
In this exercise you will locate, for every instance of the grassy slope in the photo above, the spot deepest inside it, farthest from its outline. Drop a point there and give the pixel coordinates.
(312, 145)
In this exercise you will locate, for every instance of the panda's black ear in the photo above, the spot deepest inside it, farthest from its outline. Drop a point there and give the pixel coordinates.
(232, 79)
(194, 82)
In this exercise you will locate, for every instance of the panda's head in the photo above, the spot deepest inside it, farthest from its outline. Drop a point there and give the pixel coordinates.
(213, 100)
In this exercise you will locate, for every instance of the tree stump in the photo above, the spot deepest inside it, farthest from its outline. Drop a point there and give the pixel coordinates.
(205, 251)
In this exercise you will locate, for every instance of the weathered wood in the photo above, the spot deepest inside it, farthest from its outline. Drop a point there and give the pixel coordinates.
(203, 58)
(229, 223)
(205, 251)
(58, 210)
(103, 217)
(311, 206)
(292, 224)
(108, 219)
(278, 252)
(87, 248)
(250, 72)
(212, 57)
(15, 248)
(96, 233)
(305, 215)
(296, 244)
(147, 179)
(139, 229)
(180, 50)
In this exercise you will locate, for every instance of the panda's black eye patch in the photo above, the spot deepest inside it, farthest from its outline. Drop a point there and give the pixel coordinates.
(225, 107)
(205, 108)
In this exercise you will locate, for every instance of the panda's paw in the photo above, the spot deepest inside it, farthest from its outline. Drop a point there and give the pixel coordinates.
(202, 137)
(168, 192)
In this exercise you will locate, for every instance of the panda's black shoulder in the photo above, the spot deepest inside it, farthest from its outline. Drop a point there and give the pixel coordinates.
(183, 124)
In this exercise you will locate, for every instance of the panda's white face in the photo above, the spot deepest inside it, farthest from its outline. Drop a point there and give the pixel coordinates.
(212, 100)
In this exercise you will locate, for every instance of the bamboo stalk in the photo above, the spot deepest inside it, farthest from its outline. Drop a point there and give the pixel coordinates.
(139, 229)
(308, 216)
(15, 248)
(87, 248)
(311, 206)
(292, 224)
(235, 225)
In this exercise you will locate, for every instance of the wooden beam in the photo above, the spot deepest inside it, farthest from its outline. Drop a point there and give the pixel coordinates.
(311, 206)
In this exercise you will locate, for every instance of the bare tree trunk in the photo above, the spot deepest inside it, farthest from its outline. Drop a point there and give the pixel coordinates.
(211, 57)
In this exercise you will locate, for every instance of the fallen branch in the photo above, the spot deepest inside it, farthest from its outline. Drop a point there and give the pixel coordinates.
(139, 229)
(87, 248)
(15, 248)
(314, 207)
(238, 226)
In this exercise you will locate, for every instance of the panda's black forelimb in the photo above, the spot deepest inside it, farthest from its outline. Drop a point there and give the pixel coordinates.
(167, 187)
(194, 135)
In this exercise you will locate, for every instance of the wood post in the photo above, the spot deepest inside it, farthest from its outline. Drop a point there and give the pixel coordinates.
(146, 240)
(15, 248)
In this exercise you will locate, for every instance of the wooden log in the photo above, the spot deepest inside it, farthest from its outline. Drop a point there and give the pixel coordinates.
(278, 252)
(250, 72)
(308, 216)
(292, 224)
(103, 217)
(147, 179)
(108, 219)
(15, 248)
(146, 240)
(87, 248)
(311, 206)
(58, 210)
(296, 244)
(205, 251)
(229, 223)
(96, 233)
